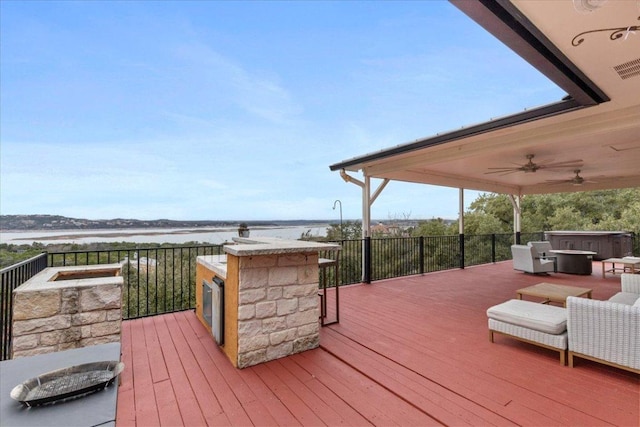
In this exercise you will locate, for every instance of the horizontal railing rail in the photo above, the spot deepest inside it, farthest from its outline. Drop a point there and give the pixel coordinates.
(10, 278)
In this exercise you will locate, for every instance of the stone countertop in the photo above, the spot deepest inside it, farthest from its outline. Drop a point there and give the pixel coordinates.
(215, 263)
(263, 246)
(98, 408)
(274, 246)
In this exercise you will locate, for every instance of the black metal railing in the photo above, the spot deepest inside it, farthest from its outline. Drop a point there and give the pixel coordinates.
(10, 278)
(156, 280)
(162, 279)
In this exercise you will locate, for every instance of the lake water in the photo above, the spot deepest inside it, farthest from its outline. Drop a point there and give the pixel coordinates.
(211, 235)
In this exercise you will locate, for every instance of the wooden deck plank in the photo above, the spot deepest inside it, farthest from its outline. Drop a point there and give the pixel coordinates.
(432, 398)
(190, 411)
(168, 410)
(156, 359)
(205, 351)
(207, 385)
(407, 351)
(298, 407)
(278, 411)
(146, 405)
(346, 412)
(371, 399)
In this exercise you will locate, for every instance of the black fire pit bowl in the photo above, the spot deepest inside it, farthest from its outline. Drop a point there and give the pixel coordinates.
(67, 383)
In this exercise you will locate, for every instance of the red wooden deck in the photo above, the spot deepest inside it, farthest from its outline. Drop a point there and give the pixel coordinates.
(409, 351)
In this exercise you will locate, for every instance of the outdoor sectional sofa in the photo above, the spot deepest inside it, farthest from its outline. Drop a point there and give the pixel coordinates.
(607, 331)
(603, 331)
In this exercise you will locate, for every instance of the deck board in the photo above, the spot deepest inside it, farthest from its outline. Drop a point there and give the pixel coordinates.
(407, 351)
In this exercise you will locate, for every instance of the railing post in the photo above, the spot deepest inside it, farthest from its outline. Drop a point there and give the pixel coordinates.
(461, 238)
(493, 248)
(421, 255)
(366, 274)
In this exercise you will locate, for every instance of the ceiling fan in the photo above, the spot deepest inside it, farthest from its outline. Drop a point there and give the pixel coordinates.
(576, 180)
(531, 167)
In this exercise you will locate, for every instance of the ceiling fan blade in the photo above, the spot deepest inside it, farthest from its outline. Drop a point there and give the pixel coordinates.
(567, 164)
(502, 171)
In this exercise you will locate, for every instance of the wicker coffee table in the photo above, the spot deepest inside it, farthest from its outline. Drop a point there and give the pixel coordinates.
(551, 292)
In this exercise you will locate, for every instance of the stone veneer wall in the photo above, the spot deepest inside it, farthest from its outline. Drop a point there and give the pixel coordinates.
(278, 306)
(56, 319)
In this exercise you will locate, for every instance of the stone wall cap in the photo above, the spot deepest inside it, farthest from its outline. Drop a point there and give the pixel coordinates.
(46, 278)
(274, 246)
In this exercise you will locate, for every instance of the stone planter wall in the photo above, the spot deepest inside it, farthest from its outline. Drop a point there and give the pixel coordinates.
(71, 314)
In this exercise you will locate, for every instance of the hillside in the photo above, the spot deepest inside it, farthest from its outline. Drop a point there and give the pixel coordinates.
(57, 222)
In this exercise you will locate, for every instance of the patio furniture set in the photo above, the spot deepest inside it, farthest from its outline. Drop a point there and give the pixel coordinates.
(603, 331)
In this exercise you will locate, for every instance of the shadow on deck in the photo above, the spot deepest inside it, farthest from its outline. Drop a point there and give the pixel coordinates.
(407, 351)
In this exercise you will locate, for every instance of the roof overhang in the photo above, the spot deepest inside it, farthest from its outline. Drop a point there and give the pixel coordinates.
(598, 124)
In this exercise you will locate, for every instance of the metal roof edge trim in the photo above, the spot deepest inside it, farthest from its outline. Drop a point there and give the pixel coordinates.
(549, 110)
(503, 20)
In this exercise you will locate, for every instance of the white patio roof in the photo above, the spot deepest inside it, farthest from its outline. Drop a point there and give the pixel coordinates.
(593, 56)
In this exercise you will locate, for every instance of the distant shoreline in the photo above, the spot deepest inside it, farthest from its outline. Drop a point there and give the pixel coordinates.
(223, 233)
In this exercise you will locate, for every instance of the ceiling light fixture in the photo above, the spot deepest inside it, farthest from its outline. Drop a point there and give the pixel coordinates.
(588, 6)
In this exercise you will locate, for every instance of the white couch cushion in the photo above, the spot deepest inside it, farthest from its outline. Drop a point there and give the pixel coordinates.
(637, 303)
(532, 315)
(627, 298)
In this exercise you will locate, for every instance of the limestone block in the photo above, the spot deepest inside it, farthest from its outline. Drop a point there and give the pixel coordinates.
(274, 324)
(115, 314)
(31, 305)
(246, 312)
(105, 328)
(302, 318)
(258, 261)
(308, 302)
(85, 331)
(70, 303)
(288, 260)
(251, 278)
(306, 343)
(295, 291)
(265, 309)
(32, 326)
(283, 276)
(279, 337)
(310, 329)
(274, 293)
(61, 336)
(34, 351)
(100, 297)
(249, 328)
(86, 342)
(308, 274)
(25, 342)
(88, 318)
(68, 345)
(252, 358)
(251, 295)
(287, 306)
(253, 343)
(281, 350)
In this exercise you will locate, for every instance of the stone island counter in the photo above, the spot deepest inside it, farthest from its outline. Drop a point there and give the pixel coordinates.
(260, 300)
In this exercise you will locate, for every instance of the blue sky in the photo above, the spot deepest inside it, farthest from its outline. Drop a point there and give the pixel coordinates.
(235, 110)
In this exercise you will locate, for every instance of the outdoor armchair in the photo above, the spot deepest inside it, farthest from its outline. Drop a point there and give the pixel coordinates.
(525, 258)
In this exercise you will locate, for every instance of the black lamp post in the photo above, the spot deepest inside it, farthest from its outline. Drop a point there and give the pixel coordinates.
(334, 208)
